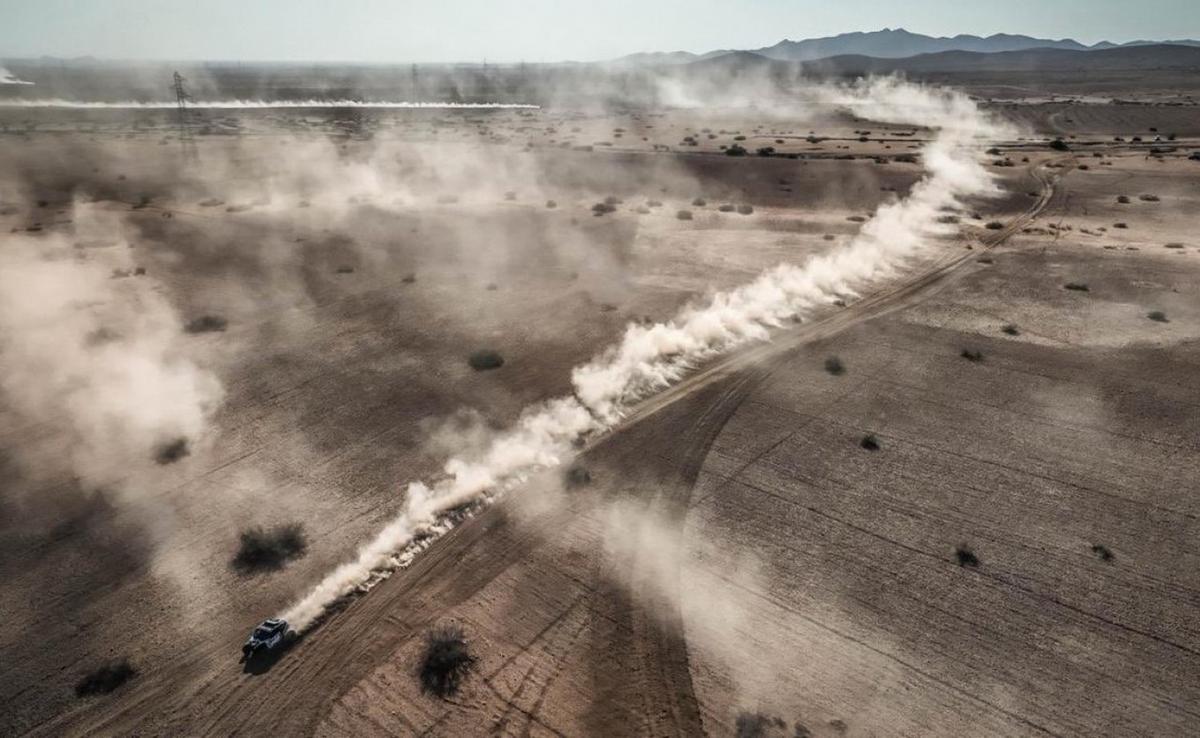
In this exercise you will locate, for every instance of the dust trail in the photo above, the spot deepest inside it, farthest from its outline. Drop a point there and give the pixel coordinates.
(649, 358)
(8, 78)
(258, 104)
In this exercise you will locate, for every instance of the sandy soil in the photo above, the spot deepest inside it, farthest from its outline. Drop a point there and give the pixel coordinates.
(808, 582)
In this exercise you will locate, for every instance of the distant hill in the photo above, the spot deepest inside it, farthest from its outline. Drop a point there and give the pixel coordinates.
(894, 44)
(1124, 58)
(899, 43)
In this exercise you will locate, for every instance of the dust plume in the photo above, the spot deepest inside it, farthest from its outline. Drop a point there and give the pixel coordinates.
(8, 78)
(254, 104)
(651, 357)
(92, 350)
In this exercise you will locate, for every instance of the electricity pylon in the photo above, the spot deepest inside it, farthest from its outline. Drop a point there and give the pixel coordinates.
(187, 144)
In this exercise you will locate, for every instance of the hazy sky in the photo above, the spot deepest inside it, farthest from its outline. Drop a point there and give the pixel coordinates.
(535, 30)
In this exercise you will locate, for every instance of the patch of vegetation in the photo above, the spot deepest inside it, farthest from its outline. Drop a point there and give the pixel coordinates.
(994, 225)
(485, 359)
(263, 549)
(1011, 330)
(745, 209)
(447, 661)
(834, 366)
(751, 725)
(1173, 246)
(965, 556)
(1148, 198)
(971, 355)
(169, 453)
(1102, 551)
(1076, 287)
(735, 150)
(684, 215)
(105, 679)
(727, 208)
(870, 442)
(601, 208)
(1121, 226)
(699, 202)
(1158, 316)
(1059, 145)
(206, 324)
(577, 476)
(550, 204)
(345, 269)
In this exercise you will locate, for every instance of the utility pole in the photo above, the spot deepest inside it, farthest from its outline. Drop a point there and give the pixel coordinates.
(186, 143)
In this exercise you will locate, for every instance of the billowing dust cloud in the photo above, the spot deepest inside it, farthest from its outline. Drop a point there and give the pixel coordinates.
(92, 350)
(649, 358)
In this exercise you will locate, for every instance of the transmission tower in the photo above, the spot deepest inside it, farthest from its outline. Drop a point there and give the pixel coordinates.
(186, 143)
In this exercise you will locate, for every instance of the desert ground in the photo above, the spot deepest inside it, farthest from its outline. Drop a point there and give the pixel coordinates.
(1012, 553)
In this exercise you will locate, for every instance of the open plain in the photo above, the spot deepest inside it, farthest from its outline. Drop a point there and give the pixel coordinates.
(959, 502)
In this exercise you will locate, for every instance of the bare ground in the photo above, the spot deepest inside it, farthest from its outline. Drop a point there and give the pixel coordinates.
(816, 581)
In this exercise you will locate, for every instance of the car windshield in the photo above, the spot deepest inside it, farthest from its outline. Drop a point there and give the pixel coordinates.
(263, 632)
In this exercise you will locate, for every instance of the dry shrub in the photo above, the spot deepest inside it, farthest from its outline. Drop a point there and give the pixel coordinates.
(264, 549)
(965, 556)
(206, 324)
(447, 661)
(105, 679)
(485, 359)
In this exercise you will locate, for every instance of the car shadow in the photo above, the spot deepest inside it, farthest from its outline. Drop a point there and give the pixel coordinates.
(260, 663)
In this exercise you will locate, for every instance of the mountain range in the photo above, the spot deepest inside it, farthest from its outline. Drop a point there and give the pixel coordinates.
(891, 44)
